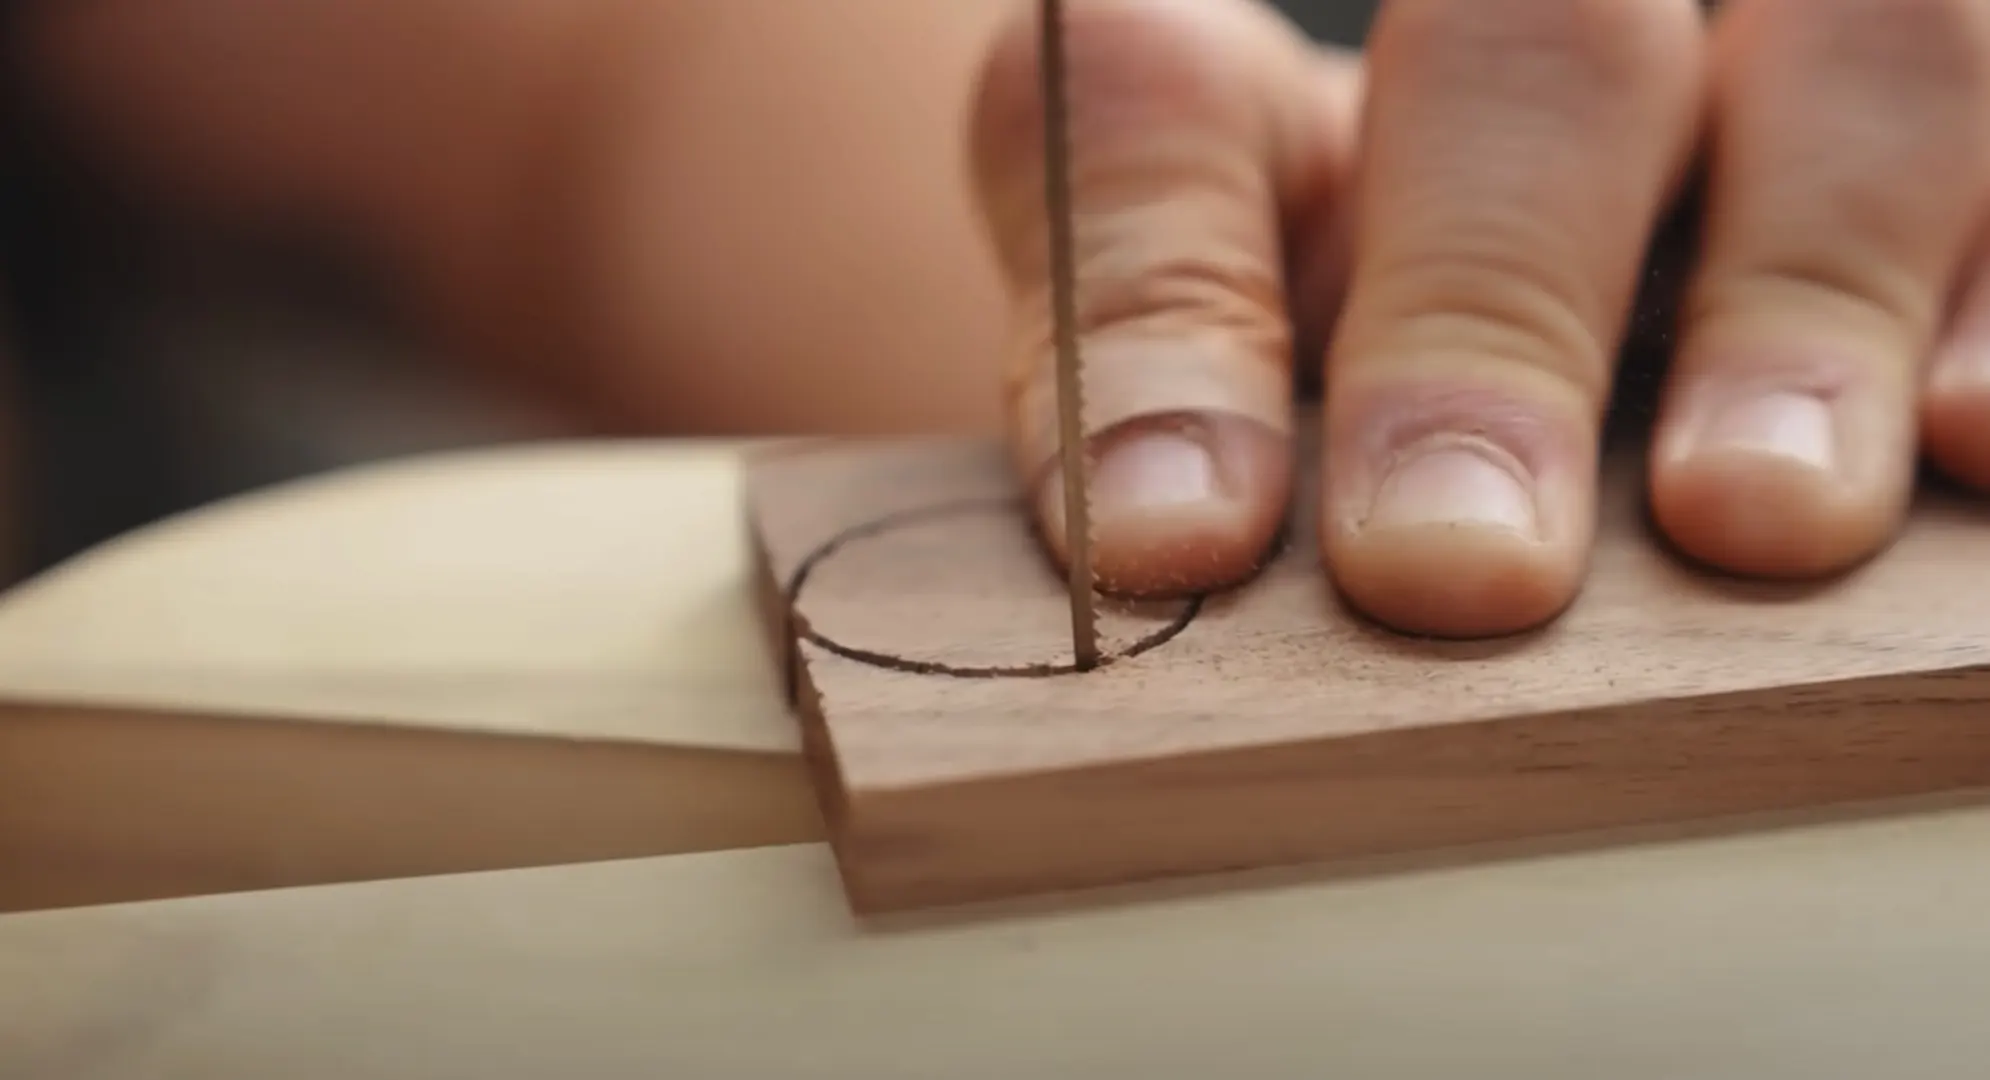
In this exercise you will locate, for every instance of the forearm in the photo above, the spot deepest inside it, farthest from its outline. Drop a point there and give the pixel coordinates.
(715, 213)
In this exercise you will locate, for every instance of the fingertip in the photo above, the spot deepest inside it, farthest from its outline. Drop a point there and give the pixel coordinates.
(1764, 514)
(1456, 543)
(1456, 582)
(1781, 482)
(1181, 504)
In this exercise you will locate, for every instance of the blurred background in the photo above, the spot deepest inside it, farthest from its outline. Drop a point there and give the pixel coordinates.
(159, 363)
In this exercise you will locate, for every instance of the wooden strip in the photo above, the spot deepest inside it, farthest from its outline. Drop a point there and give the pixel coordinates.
(104, 805)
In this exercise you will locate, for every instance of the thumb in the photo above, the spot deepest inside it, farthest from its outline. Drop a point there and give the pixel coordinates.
(1195, 128)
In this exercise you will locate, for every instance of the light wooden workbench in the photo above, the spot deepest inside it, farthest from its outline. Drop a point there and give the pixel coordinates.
(536, 656)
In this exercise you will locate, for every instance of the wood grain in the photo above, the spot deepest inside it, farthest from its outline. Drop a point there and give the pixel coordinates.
(1276, 727)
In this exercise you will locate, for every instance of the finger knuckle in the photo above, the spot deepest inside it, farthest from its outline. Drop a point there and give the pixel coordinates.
(1554, 46)
(1491, 300)
(1166, 128)
(1195, 293)
(1869, 296)
(1133, 67)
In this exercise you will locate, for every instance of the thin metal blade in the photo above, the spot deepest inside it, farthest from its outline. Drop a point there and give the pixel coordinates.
(1064, 326)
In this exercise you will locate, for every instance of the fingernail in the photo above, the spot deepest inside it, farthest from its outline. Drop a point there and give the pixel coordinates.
(1181, 504)
(1796, 426)
(1456, 485)
(1145, 471)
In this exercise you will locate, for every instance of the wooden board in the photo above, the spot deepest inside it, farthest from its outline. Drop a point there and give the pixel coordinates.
(923, 630)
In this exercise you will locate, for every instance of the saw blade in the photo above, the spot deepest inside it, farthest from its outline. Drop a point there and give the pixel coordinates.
(1064, 333)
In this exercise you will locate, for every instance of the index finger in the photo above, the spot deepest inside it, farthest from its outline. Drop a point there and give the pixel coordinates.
(1197, 128)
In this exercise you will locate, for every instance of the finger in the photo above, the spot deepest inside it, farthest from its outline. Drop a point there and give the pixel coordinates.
(1517, 155)
(1846, 169)
(1194, 125)
(1955, 402)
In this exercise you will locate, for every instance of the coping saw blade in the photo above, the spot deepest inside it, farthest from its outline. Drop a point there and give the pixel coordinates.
(1064, 327)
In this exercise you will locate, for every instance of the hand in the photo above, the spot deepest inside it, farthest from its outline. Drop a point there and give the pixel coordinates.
(1512, 161)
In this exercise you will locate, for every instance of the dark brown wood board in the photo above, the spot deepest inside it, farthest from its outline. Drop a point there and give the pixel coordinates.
(926, 637)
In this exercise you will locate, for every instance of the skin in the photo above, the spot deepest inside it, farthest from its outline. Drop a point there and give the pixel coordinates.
(1497, 170)
(832, 221)
(684, 216)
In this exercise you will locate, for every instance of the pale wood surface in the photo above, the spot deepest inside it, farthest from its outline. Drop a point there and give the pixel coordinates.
(540, 590)
(1278, 727)
(1824, 951)
(1846, 954)
(511, 658)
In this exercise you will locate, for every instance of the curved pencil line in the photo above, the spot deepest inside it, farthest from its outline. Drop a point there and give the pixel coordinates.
(890, 522)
